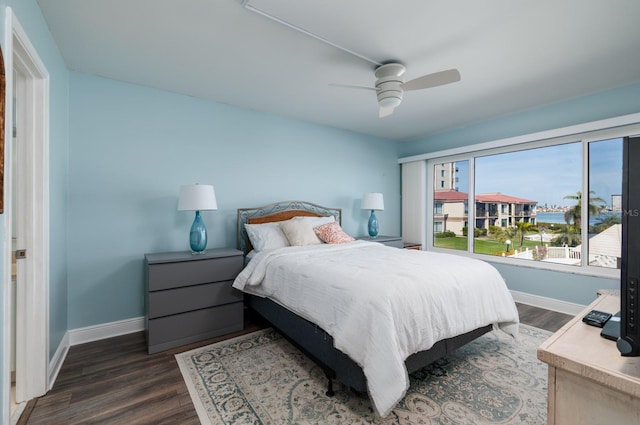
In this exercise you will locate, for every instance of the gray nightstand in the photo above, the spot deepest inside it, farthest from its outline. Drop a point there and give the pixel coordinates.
(394, 241)
(189, 297)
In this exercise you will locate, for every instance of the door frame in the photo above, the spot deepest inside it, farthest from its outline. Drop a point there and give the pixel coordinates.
(32, 317)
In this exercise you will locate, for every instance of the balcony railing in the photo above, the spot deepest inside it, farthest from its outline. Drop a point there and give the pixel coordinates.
(565, 255)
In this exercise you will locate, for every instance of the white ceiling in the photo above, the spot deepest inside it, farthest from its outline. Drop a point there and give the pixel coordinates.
(512, 55)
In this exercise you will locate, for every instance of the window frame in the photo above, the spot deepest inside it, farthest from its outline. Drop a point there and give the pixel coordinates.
(585, 133)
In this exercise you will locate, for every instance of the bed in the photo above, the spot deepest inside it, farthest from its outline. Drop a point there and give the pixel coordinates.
(389, 311)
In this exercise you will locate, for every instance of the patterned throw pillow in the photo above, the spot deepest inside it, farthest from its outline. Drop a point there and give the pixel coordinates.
(332, 233)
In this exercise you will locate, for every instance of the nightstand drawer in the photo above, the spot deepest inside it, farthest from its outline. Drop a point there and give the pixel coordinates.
(172, 331)
(172, 301)
(189, 297)
(173, 275)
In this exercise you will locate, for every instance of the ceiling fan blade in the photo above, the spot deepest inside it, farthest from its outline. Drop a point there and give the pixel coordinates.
(385, 111)
(432, 80)
(349, 86)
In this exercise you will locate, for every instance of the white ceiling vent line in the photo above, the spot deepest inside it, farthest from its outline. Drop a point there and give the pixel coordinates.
(246, 5)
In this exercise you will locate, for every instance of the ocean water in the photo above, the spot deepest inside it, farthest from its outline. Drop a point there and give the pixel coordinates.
(558, 217)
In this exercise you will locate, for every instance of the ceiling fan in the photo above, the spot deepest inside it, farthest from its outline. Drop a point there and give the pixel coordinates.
(390, 85)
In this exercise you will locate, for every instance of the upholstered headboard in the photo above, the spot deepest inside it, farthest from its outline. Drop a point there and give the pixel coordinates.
(279, 211)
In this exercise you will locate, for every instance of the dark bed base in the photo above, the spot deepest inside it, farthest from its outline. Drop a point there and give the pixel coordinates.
(318, 344)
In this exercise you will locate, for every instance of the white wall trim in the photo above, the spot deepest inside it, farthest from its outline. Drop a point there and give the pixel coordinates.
(547, 303)
(58, 359)
(90, 334)
(105, 330)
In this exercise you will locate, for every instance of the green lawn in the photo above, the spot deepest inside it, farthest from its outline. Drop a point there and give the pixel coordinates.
(452, 243)
(481, 246)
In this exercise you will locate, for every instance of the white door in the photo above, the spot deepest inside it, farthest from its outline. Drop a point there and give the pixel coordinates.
(27, 206)
(20, 211)
(16, 407)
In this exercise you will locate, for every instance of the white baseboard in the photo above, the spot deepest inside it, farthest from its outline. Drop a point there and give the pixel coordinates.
(105, 330)
(88, 334)
(55, 364)
(547, 303)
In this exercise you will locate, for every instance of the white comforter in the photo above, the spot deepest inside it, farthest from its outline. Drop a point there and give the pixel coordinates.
(382, 304)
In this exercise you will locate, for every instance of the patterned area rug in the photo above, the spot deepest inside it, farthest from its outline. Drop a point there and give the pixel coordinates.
(260, 378)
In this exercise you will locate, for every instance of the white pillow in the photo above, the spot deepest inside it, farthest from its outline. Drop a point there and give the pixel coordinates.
(315, 221)
(299, 232)
(266, 236)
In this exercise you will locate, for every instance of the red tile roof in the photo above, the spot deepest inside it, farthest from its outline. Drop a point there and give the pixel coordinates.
(450, 195)
(454, 195)
(505, 199)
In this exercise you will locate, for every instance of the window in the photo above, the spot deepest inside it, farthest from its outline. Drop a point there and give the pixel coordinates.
(534, 188)
(604, 203)
(450, 208)
(523, 202)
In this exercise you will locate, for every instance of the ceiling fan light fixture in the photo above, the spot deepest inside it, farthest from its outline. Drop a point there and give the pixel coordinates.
(390, 102)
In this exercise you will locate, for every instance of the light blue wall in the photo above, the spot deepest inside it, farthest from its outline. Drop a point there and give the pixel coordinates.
(131, 147)
(29, 15)
(612, 103)
(593, 107)
(119, 152)
(574, 288)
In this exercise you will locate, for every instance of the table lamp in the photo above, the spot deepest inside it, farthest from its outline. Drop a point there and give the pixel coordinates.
(373, 202)
(197, 197)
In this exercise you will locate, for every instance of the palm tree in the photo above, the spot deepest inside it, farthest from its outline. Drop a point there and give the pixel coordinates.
(575, 213)
(567, 239)
(522, 228)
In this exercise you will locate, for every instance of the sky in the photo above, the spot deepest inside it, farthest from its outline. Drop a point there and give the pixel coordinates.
(547, 175)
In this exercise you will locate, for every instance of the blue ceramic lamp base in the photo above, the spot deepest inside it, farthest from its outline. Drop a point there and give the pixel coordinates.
(373, 225)
(198, 236)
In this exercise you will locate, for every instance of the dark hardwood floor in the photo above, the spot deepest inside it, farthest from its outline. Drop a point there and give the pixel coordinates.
(540, 318)
(115, 381)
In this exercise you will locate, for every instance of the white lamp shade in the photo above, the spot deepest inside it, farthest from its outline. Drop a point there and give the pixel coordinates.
(372, 201)
(197, 197)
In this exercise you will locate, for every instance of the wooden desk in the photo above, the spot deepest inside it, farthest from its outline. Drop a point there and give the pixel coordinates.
(589, 381)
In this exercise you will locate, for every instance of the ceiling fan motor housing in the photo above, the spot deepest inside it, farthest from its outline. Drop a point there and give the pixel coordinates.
(389, 95)
(389, 84)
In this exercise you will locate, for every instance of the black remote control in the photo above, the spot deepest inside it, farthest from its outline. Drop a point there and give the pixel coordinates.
(596, 318)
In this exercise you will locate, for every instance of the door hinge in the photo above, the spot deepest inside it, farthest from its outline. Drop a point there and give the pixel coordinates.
(21, 254)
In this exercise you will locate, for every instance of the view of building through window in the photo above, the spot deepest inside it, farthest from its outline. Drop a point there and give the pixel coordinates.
(528, 204)
(450, 204)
